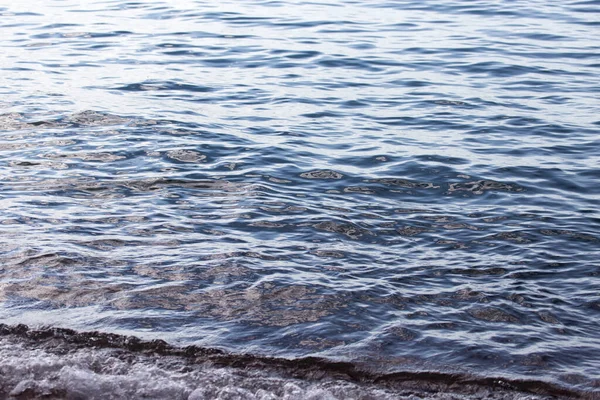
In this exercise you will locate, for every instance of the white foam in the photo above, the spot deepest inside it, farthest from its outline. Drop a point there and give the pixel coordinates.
(32, 371)
(112, 374)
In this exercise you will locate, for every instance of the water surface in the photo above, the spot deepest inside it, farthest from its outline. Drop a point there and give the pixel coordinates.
(407, 186)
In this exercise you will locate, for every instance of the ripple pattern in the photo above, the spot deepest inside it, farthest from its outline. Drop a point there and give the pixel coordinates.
(409, 184)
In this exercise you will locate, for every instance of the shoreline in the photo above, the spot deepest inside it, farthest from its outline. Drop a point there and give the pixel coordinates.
(62, 342)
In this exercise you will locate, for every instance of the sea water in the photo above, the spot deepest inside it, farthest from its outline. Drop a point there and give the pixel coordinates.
(406, 187)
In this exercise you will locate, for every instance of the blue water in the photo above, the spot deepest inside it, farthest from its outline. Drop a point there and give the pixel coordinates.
(408, 185)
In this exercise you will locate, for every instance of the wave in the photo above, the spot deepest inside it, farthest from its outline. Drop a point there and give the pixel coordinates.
(55, 363)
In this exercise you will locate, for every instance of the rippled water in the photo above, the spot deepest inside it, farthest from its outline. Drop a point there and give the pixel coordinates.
(405, 185)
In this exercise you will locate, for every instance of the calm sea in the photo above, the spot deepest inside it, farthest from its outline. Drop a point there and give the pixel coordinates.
(409, 189)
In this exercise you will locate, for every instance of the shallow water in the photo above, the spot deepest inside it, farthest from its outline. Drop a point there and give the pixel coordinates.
(412, 186)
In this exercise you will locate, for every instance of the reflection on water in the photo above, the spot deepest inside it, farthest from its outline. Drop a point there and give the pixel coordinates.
(407, 185)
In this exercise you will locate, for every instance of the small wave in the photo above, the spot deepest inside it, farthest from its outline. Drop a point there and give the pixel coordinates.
(58, 363)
